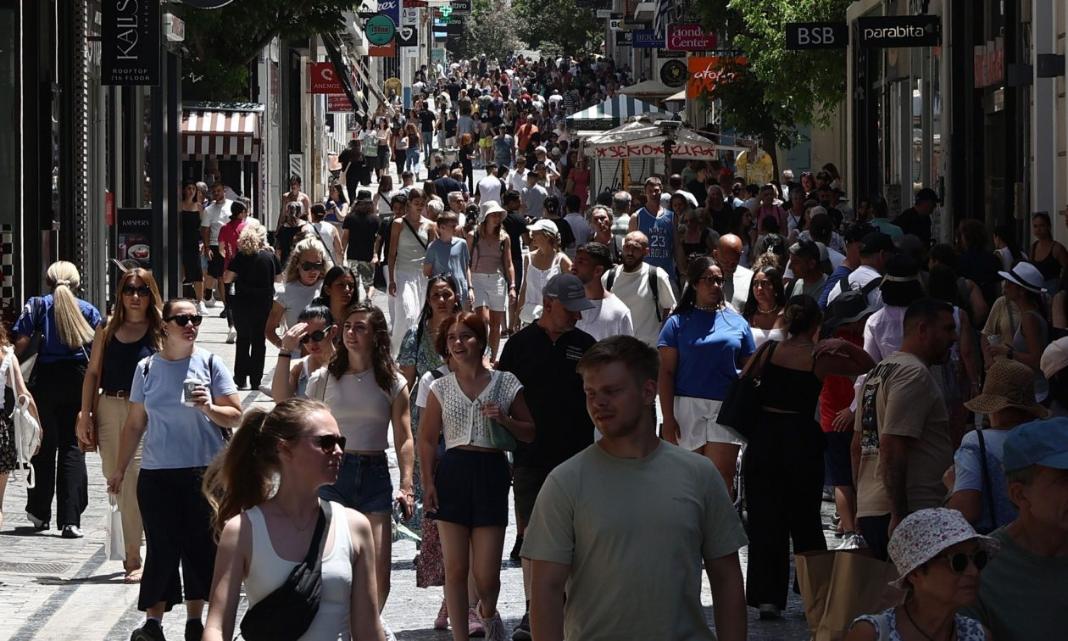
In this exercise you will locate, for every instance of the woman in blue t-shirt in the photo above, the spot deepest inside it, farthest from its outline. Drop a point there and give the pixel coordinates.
(702, 346)
(184, 427)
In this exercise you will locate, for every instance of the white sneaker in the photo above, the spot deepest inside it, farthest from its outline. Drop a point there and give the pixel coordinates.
(202, 309)
(210, 303)
(231, 338)
(494, 628)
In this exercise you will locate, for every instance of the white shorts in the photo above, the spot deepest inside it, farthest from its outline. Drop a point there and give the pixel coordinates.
(490, 291)
(697, 423)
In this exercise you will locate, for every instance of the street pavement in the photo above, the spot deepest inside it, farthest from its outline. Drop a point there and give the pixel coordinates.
(55, 589)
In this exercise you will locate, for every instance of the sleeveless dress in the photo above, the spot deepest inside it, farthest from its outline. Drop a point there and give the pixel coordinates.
(190, 251)
(267, 571)
(535, 281)
(885, 625)
(8, 456)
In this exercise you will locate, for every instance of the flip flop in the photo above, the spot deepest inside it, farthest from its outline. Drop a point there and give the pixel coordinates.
(132, 575)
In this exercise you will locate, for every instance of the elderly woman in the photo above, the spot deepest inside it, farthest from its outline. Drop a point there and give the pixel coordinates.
(940, 558)
(253, 272)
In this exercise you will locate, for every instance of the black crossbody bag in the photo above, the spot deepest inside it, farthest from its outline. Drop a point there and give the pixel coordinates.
(286, 613)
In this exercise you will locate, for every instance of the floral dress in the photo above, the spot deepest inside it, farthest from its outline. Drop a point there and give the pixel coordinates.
(424, 358)
(885, 625)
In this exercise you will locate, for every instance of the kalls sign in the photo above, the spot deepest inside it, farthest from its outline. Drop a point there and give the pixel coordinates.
(689, 37)
(130, 31)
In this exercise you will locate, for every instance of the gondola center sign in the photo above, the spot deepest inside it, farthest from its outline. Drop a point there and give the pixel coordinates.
(689, 37)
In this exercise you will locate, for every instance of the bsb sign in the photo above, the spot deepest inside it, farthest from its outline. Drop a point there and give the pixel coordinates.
(817, 35)
(899, 31)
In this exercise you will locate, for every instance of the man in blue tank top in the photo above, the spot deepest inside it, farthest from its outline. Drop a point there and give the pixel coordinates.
(658, 224)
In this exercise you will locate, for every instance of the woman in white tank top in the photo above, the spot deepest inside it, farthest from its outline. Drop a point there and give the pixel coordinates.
(263, 537)
(545, 261)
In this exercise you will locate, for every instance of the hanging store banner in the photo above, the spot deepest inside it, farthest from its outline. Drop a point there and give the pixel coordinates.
(323, 78)
(899, 31)
(131, 43)
(646, 39)
(817, 35)
(409, 16)
(338, 104)
(407, 36)
(708, 71)
(391, 8)
(384, 51)
(689, 37)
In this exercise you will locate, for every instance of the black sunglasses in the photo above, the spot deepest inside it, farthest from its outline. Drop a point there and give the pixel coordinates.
(143, 291)
(327, 442)
(184, 319)
(314, 336)
(309, 267)
(959, 562)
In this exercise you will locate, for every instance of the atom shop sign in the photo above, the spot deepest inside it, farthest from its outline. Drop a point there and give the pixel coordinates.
(707, 71)
(681, 151)
(689, 37)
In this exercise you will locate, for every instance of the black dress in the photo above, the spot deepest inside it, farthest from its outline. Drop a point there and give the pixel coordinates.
(191, 246)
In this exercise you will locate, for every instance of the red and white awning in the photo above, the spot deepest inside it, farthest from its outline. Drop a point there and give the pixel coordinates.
(230, 135)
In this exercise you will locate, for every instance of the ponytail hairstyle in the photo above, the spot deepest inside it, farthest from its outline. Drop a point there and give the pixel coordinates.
(385, 368)
(74, 330)
(802, 315)
(697, 268)
(242, 476)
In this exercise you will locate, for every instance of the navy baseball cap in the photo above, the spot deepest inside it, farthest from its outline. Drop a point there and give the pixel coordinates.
(568, 289)
(1042, 443)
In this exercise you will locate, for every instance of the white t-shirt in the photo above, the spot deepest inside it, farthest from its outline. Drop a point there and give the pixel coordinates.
(518, 180)
(327, 234)
(294, 298)
(361, 408)
(215, 216)
(632, 289)
(860, 277)
(609, 317)
(489, 188)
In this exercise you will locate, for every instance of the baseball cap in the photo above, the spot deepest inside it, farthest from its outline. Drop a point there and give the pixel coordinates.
(876, 242)
(1042, 443)
(805, 249)
(568, 289)
(362, 195)
(545, 226)
(1054, 358)
(540, 149)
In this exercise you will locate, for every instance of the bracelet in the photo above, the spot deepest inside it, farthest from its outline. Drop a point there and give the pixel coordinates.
(285, 355)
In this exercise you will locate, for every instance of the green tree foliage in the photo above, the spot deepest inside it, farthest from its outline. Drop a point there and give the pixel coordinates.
(490, 30)
(777, 90)
(220, 43)
(558, 26)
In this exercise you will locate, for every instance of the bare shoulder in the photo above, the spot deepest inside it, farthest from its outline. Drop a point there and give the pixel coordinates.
(862, 631)
(359, 529)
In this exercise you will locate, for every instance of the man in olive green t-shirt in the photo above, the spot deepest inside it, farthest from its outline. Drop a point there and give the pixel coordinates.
(624, 526)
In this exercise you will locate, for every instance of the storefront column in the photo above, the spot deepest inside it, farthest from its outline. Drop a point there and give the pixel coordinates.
(1043, 111)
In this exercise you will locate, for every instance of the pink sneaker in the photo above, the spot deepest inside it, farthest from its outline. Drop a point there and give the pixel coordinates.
(441, 622)
(495, 628)
(474, 623)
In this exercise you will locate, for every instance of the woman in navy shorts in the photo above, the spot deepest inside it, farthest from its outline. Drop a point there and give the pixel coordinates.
(481, 413)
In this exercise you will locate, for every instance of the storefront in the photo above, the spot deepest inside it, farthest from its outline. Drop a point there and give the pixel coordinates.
(223, 140)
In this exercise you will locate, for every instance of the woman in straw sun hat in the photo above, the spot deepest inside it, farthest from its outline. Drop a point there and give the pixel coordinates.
(939, 557)
(980, 491)
(1026, 310)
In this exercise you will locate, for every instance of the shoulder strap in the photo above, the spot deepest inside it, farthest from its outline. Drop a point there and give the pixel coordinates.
(412, 229)
(146, 368)
(654, 289)
(436, 374)
(314, 558)
(988, 485)
(611, 279)
(871, 285)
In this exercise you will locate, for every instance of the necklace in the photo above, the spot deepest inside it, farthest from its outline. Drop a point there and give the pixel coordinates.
(768, 311)
(919, 629)
(706, 308)
(293, 520)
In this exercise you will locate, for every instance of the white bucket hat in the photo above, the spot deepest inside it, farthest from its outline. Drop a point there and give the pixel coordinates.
(924, 534)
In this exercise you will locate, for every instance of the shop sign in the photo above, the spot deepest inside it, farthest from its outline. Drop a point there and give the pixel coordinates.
(409, 16)
(655, 150)
(624, 38)
(134, 229)
(646, 39)
(689, 37)
(615, 24)
(989, 63)
(384, 51)
(899, 31)
(131, 42)
(674, 73)
(324, 78)
(407, 36)
(338, 104)
(380, 29)
(817, 35)
(634, 25)
(708, 71)
(390, 8)
(461, 6)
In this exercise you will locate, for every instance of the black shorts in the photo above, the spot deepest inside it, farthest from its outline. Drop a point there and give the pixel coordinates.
(472, 488)
(217, 263)
(837, 466)
(526, 483)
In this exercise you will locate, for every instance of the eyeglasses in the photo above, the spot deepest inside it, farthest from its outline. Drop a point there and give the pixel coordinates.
(314, 336)
(327, 442)
(311, 267)
(143, 291)
(184, 319)
(714, 280)
(959, 562)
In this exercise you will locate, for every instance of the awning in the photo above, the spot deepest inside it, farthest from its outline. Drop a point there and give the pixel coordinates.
(228, 135)
(649, 88)
(645, 139)
(610, 113)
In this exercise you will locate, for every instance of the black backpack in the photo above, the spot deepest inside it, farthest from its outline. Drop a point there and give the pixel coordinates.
(654, 288)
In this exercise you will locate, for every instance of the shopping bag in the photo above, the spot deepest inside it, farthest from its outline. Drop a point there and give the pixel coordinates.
(837, 586)
(114, 544)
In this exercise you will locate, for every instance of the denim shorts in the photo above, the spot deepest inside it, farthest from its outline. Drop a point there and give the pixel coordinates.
(363, 484)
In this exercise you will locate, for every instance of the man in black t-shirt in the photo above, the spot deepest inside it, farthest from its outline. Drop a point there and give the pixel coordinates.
(358, 235)
(515, 224)
(426, 126)
(916, 220)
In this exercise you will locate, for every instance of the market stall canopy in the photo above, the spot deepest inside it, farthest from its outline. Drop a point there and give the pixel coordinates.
(610, 113)
(649, 89)
(644, 138)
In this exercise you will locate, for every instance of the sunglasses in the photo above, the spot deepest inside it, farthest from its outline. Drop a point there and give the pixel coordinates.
(312, 267)
(143, 291)
(314, 336)
(184, 319)
(715, 280)
(327, 442)
(959, 562)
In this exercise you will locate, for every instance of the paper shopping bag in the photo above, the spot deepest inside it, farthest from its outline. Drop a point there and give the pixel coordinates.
(114, 544)
(837, 586)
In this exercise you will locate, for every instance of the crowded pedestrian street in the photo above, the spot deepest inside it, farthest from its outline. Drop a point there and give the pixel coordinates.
(600, 320)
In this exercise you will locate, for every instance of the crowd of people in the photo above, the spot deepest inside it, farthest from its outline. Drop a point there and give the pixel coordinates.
(587, 354)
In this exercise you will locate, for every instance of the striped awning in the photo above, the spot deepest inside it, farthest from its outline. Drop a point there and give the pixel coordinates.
(610, 113)
(227, 135)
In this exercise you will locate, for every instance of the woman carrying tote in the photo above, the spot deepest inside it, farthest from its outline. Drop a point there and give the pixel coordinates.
(133, 332)
(183, 400)
(410, 235)
(13, 387)
(66, 325)
(263, 537)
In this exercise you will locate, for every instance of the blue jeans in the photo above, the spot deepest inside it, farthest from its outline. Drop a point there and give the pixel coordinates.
(428, 145)
(411, 163)
(362, 484)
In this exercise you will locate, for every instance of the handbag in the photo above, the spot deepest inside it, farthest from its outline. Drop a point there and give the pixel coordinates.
(499, 436)
(27, 438)
(839, 585)
(429, 563)
(739, 407)
(286, 613)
